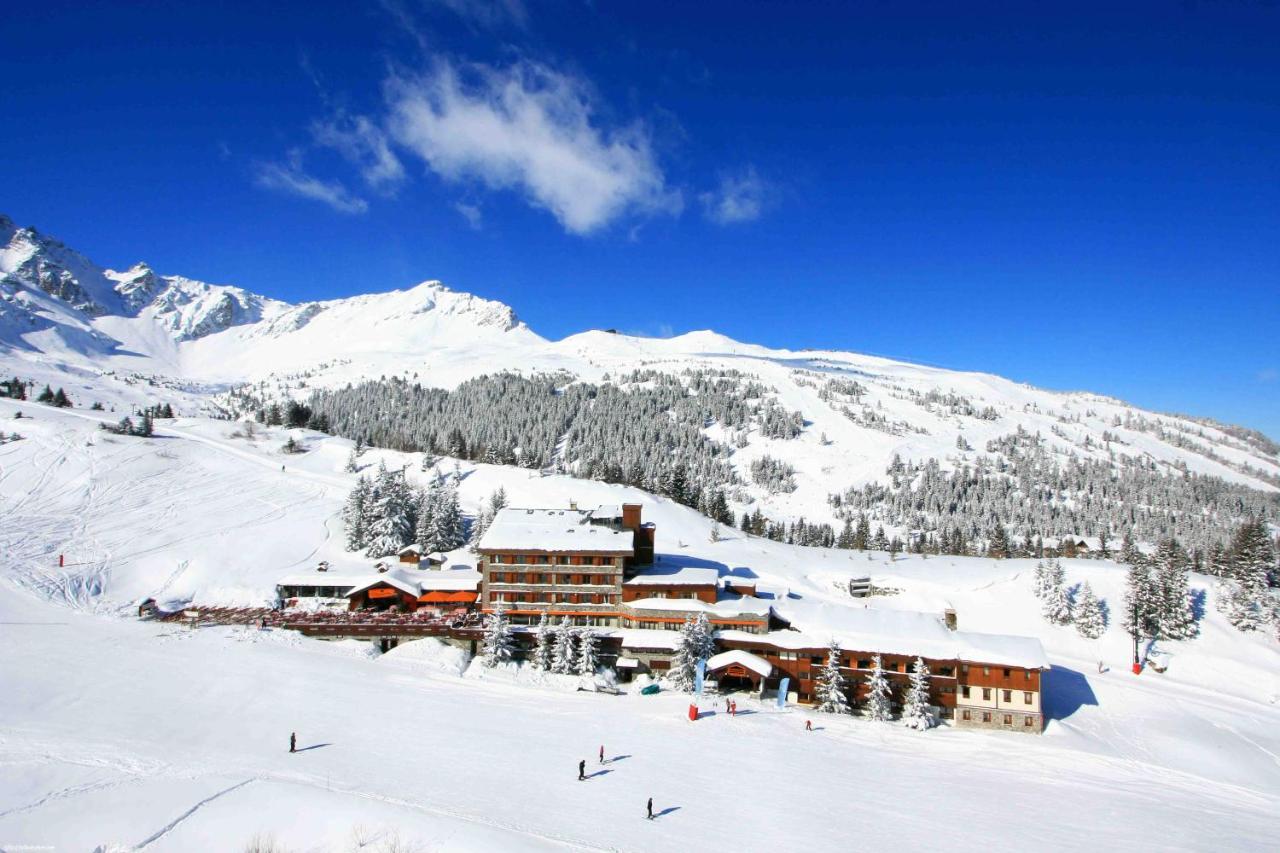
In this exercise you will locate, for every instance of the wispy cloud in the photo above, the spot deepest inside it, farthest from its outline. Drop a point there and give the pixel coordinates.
(290, 178)
(488, 13)
(363, 144)
(532, 129)
(471, 213)
(739, 197)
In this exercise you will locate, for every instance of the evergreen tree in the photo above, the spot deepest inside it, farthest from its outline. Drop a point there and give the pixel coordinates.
(1057, 602)
(998, 542)
(588, 658)
(45, 396)
(1089, 619)
(562, 657)
(543, 652)
(446, 518)
(684, 662)
(355, 515)
(916, 712)
(1246, 602)
(425, 530)
(391, 514)
(878, 705)
(879, 542)
(61, 400)
(830, 690)
(499, 647)
(1141, 602)
(353, 462)
(862, 537)
(1170, 565)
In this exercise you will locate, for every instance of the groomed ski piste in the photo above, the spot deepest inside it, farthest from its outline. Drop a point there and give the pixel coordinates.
(120, 734)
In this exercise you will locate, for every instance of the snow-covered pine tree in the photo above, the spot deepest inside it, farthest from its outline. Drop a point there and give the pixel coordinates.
(425, 530)
(683, 672)
(1089, 619)
(498, 644)
(1141, 601)
(831, 690)
(478, 529)
(916, 712)
(1175, 616)
(355, 515)
(447, 521)
(562, 659)
(392, 514)
(878, 705)
(542, 654)
(704, 639)
(588, 658)
(1057, 601)
(1247, 601)
(353, 462)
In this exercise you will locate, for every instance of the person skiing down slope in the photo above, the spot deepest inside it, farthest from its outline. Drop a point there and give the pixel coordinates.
(582, 770)
(650, 808)
(293, 741)
(602, 753)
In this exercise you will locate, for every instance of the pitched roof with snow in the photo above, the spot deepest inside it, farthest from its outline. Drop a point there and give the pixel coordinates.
(553, 530)
(755, 663)
(744, 605)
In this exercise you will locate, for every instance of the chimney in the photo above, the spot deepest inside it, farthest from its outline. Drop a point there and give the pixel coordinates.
(949, 617)
(631, 516)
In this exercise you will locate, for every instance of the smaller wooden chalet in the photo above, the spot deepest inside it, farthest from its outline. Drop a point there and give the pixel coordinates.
(737, 669)
(383, 592)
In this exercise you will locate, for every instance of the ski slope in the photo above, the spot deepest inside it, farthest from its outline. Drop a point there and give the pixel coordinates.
(130, 735)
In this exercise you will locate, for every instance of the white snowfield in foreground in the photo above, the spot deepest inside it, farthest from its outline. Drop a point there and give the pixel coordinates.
(126, 735)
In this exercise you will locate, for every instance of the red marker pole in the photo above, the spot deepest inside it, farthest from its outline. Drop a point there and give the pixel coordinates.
(693, 712)
(61, 560)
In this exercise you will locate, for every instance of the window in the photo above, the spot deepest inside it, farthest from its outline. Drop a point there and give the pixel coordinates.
(964, 691)
(964, 668)
(818, 659)
(1008, 719)
(1026, 721)
(1026, 674)
(986, 670)
(562, 561)
(946, 671)
(1006, 672)
(986, 693)
(966, 716)
(1008, 695)
(1026, 698)
(864, 664)
(986, 716)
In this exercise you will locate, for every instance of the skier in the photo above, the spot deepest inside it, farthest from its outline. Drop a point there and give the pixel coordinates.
(733, 709)
(808, 725)
(1099, 667)
(650, 808)
(293, 741)
(582, 770)
(726, 705)
(602, 753)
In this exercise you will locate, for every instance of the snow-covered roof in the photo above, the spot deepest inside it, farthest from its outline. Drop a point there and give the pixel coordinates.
(607, 511)
(675, 576)
(726, 607)
(756, 664)
(344, 579)
(388, 578)
(451, 580)
(411, 548)
(647, 638)
(902, 632)
(552, 530)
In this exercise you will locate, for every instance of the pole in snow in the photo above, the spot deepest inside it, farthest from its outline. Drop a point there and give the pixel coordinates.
(1137, 661)
(62, 560)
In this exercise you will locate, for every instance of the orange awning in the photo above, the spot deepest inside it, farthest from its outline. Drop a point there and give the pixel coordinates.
(382, 593)
(448, 598)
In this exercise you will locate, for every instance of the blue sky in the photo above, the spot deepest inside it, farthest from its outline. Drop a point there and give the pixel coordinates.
(1076, 195)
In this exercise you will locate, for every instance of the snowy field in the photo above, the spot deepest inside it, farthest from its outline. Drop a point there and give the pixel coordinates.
(127, 735)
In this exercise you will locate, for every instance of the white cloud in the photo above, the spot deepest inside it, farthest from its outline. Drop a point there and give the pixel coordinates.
(531, 129)
(291, 179)
(365, 146)
(471, 213)
(738, 198)
(489, 13)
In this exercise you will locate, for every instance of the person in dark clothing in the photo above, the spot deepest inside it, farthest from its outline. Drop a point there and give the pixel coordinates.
(808, 725)
(293, 742)
(582, 770)
(602, 753)
(651, 808)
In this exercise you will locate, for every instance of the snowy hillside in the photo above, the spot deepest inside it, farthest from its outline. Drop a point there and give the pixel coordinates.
(790, 434)
(131, 735)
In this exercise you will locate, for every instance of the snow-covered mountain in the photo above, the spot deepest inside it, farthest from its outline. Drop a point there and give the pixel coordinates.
(850, 415)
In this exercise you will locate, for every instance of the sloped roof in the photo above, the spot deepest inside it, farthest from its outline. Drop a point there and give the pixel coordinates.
(755, 663)
(553, 530)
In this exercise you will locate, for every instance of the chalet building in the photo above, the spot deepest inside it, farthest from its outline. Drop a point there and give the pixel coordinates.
(400, 588)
